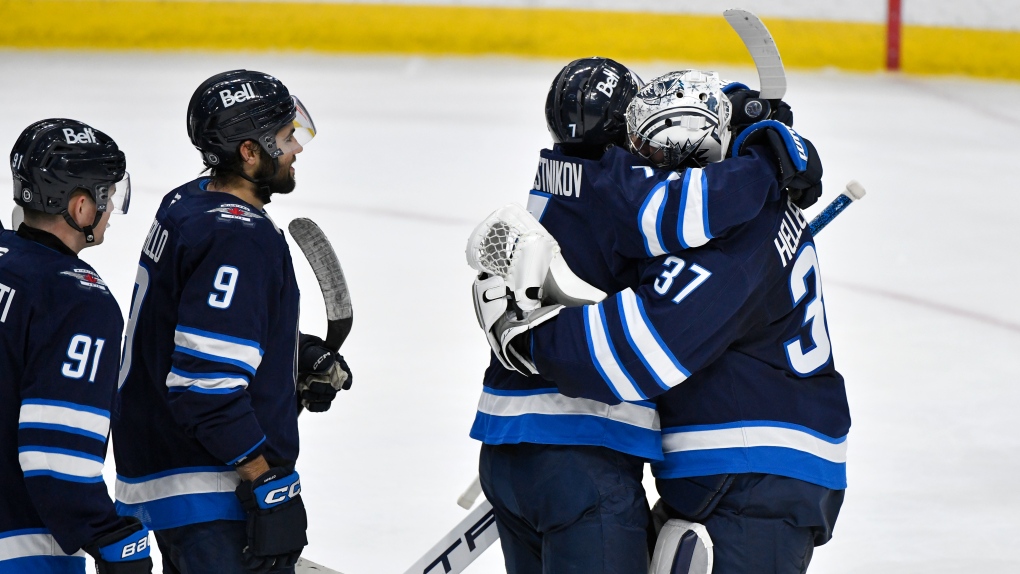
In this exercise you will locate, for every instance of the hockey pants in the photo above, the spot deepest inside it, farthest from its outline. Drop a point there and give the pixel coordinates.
(759, 523)
(206, 548)
(567, 509)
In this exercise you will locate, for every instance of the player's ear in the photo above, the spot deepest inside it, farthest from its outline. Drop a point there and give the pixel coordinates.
(249, 152)
(81, 208)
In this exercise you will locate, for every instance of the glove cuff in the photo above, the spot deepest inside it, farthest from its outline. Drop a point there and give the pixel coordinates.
(128, 543)
(272, 489)
(790, 140)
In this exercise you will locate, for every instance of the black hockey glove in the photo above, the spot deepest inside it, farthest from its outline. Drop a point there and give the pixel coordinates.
(276, 519)
(800, 168)
(321, 374)
(748, 109)
(123, 551)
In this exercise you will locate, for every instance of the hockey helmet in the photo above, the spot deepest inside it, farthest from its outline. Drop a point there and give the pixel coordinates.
(680, 119)
(240, 105)
(587, 101)
(54, 157)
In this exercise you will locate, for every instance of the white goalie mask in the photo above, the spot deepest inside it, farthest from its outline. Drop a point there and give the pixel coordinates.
(680, 119)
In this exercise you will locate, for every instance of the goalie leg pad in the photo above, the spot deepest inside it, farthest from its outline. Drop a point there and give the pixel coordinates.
(682, 548)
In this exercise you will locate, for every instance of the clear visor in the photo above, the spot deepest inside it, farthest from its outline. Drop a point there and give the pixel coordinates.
(118, 196)
(304, 127)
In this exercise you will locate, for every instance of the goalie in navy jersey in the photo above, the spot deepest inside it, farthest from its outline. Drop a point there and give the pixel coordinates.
(60, 330)
(612, 212)
(728, 337)
(207, 436)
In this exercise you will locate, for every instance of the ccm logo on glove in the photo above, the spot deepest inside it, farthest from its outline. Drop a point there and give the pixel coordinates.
(276, 492)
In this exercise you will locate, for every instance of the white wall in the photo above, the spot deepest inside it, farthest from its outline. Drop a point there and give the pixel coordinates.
(992, 14)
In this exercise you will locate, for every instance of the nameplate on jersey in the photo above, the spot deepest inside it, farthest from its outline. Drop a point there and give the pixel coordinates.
(87, 279)
(236, 212)
(791, 231)
(558, 177)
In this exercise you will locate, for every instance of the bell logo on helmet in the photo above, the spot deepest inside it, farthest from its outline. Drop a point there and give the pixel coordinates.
(243, 95)
(87, 136)
(607, 86)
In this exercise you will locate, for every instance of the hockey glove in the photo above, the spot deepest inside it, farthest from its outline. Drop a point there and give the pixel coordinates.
(276, 519)
(123, 551)
(321, 374)
(508, 327)
(748, 108)
(800, 169)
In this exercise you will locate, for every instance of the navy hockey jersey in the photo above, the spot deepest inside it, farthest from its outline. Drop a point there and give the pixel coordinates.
(733, 337)
(60, 333)
(208, 373)
(608, 215)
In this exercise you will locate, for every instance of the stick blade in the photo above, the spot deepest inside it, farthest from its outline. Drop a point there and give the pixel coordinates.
(323, 260)
(759, 42)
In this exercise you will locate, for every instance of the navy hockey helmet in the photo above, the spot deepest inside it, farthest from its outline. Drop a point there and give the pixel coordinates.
(588, 100)
(240, 105)
(54, 157)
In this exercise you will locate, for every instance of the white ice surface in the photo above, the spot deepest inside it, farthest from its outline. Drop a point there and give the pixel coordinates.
(921, 280)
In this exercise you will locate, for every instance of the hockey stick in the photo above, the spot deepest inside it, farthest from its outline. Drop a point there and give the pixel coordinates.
(459, 548)
(853, 192)
(305, 566)
(759, 42)
(329, 274)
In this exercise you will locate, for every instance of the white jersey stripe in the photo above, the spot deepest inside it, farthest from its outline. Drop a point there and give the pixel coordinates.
(693, 211)
(754, 436)
(176, 485)
(27, 545)
(556, 404)
(659, 360)
(175, 380)
(651, 220)
(65, 416)
(601, 344)
(59, 462)
(232, 351)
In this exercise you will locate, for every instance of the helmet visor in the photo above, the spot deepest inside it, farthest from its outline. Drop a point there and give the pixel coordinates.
(118, 195)
(304, 127)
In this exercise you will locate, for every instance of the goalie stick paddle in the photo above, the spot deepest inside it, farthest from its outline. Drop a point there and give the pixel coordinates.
(459, 548)
(320, 255)
(759, 42)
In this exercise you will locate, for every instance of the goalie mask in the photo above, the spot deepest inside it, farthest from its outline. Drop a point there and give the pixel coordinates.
(680, 120)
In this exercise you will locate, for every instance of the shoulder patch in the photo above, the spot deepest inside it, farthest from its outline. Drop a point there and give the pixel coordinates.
(86, 279)
(236, 212)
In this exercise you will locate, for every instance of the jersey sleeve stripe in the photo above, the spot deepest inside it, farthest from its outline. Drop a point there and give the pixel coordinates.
(66, 418)
(650, 220)
(219, 348)
(692, 229)
(247, 452)
(60, 463)
(179, 380)
(604, 356)
(68, 405)
(219, 337)
(754, 436)
(553, 403)
(647, 344)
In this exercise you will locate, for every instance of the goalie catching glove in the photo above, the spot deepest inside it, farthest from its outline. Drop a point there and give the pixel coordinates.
(322, 373)
(800, 169)
(507, 326)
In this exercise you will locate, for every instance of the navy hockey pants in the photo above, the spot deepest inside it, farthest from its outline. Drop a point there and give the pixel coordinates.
(567, 509)
(205, 548)
(759, 523)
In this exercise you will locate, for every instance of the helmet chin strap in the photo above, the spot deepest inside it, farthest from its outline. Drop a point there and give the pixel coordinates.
(263, 184)
(89, 230)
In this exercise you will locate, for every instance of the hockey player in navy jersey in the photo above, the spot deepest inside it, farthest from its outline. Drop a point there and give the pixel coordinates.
(207, 439)
(60, 330)
(611, 211)
(754, 427)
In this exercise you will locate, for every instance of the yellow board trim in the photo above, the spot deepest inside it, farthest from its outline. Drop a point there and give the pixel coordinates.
(438, 30)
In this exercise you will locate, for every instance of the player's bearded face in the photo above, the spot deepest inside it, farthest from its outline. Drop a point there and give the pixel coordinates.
(283, 180)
